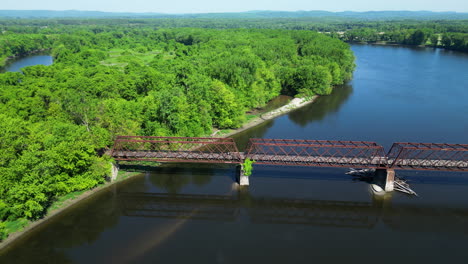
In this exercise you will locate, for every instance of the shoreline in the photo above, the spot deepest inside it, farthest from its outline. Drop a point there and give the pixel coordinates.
(67, 204)
(294, 104)
(12, 238)
(394, 44)
(9, 59)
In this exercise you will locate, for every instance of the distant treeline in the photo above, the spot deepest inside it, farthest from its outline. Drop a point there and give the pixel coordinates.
(449, 33)
(457, 39)
(106, 80)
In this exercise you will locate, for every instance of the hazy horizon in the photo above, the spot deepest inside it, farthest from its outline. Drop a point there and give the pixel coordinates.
(246, 11)
(216, 6)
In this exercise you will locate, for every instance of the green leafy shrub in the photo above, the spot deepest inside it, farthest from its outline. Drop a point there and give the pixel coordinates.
(248, 166)
(3, 232)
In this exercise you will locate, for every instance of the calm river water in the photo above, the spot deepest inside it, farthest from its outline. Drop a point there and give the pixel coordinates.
(195, 214)
(36, 59)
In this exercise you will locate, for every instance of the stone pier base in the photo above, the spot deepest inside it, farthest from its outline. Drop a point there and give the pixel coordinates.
(114, 171)
(385, 178)
(240, 177)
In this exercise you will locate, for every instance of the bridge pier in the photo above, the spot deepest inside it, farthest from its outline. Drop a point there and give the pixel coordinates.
(386, 178)
(241, 179)
(114, 171)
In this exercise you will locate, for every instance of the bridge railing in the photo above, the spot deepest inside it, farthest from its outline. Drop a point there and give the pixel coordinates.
(428, 156)
(176, 149)
(323, 153)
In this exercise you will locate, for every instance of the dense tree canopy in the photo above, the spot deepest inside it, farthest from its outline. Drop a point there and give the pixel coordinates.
(407, 31)
(57, 121)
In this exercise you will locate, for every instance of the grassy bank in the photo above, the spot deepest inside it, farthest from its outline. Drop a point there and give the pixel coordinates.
(13, 230)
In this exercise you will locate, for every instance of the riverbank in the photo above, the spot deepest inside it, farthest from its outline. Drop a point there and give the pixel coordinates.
(390, 43)
(395, 44)
(61, 206)
(67, 204)
(294, 104)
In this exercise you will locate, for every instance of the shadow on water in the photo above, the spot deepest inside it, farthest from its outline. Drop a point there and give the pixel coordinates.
(259, 131)
(173, 177)
(316, 111)
(455, 178)
(273, 104)
(267, 210)
(144, 208)
(322, 107)
(78, 225)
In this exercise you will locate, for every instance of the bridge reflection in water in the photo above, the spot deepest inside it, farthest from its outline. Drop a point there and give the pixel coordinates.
(294, 211)
(214, 207)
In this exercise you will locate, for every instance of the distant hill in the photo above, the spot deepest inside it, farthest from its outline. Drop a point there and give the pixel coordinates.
(70, 14)
(369, 15)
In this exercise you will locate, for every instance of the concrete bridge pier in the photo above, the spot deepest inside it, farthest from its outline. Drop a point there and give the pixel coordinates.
(241, 179)
(114, 171)
(385, 178)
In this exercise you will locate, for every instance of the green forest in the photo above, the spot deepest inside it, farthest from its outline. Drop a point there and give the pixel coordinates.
(58, 121)
(447, 31)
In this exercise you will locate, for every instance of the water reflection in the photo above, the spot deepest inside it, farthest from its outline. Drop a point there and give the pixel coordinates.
(427, 219)
(130, 223)
(275, 103)
(174, 177)
(317, 111)
(258, 132)
(193, 206)
(80, 225)
(322, 107)
(268, 210)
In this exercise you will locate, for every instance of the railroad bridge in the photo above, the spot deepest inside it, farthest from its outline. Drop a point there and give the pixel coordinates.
(295, 152)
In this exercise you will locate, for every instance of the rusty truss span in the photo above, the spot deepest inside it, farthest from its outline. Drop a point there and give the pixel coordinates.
(293, 152)
(319, 153)
(176, 149)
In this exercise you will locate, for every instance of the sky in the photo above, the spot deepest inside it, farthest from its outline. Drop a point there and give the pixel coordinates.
(211, 6)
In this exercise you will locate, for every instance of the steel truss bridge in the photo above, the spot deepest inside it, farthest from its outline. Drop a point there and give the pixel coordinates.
(293, 152)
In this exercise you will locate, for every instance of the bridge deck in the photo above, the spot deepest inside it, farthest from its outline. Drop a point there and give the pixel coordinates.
(179, 156)
(293, 152)
(320, 161)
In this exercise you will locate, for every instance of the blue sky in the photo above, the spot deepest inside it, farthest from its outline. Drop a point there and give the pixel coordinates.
(209, 6)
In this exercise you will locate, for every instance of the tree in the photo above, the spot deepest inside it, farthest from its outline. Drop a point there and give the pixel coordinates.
(434, 40)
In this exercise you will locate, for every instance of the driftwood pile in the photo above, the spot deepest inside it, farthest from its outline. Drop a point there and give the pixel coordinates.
(367, 175)
(402, 186)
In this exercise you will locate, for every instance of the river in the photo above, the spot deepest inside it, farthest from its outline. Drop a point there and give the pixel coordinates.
(16, 64)
(184, 213)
